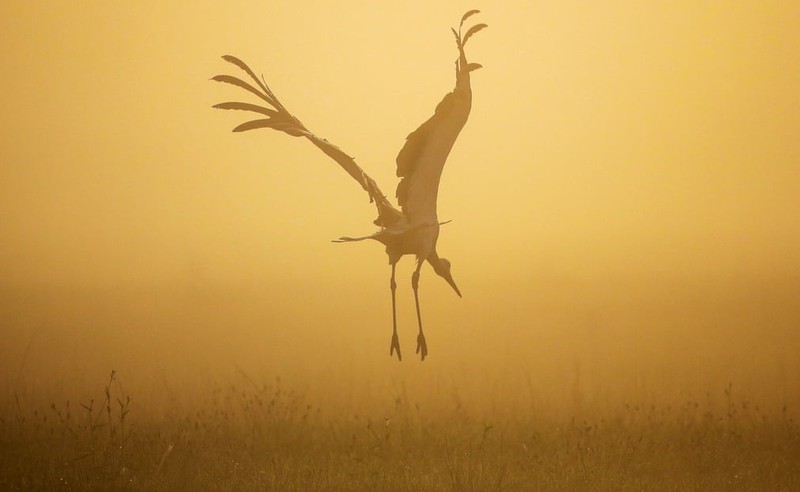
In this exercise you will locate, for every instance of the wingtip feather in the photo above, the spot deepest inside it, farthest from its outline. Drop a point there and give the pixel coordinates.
(469, 14)
(472, 30)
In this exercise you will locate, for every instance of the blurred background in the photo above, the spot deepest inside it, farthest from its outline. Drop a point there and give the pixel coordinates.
(624, 202)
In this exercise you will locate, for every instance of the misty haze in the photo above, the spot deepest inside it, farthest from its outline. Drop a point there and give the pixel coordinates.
(620, 211)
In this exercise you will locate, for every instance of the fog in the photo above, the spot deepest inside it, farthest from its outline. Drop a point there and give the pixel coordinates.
(623, 201)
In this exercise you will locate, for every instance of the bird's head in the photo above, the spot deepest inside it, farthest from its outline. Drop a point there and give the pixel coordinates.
(442, 268)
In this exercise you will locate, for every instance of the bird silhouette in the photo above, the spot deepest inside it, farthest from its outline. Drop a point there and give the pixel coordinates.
(414, 229)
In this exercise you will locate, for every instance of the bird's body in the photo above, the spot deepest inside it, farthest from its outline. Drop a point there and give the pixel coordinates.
(414, 229)
(418, 241)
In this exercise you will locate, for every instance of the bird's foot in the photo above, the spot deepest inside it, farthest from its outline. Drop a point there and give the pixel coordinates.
(422, 346)
(395, 347)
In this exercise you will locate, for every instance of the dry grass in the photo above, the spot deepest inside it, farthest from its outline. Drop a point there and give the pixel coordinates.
(265, 437)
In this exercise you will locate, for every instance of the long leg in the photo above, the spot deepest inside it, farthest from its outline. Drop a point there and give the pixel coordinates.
(422, 346)
(395, 342)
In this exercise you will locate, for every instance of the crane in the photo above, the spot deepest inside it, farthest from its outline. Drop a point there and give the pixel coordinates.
(414, 228)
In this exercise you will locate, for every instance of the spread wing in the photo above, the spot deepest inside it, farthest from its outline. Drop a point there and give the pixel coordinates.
(422, 158)
(278, 117)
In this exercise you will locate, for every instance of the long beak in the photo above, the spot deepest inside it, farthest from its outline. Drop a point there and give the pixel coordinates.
(452, 283)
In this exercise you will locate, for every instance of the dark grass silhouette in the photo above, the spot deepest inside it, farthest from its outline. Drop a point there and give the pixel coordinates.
(270, 437)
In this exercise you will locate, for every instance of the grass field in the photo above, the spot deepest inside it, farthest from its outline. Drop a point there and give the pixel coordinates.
(251, 437)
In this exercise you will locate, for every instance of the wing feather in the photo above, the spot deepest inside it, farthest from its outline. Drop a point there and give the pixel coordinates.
(472, 30)
(469, 14)
(246, 107)
(280, 119)
(423, 156)
(229, 79)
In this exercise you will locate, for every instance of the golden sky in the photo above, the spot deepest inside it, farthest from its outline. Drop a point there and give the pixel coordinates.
(617, 136)
(606, 139)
